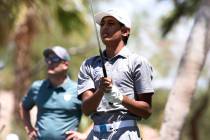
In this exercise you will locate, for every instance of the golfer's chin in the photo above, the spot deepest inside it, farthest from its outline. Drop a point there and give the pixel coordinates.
(108, 40)
(105, 39)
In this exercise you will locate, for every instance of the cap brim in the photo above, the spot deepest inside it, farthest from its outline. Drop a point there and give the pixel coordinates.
(100, 16)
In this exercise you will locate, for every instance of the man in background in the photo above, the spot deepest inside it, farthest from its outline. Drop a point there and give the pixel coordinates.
(59, 110)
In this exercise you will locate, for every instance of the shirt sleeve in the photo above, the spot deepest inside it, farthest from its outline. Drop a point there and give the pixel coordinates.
(85, 80)
(143, 75)
(29, 99)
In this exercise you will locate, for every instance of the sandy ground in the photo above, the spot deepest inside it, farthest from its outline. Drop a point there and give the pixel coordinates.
(6, 110)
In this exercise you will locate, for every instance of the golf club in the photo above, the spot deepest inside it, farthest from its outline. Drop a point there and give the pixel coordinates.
(99, 46)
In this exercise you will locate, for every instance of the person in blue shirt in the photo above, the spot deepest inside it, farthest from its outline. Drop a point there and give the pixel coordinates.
(59, 110)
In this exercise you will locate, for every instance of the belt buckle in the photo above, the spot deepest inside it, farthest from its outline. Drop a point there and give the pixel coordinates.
(103, 128)
(106, 128)
(115, 126)
(110, 127)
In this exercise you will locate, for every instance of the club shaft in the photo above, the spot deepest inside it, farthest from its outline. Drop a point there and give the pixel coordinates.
(99, 46)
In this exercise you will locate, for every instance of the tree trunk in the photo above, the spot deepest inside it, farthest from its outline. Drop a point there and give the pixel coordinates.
(23, 40)
(194, 122)
(200, 110)
(192, 62)
(7, 17)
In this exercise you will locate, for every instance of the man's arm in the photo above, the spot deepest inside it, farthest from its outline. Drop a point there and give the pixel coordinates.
(25, 116)
(141, 107)
(91, 98)
(91, 101)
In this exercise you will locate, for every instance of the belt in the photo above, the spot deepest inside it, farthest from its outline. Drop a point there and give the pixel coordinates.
(114, 126)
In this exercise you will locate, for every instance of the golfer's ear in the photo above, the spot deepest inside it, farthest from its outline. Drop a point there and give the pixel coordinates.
(125, 31)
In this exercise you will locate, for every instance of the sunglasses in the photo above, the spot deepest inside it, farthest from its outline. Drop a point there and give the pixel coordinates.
(52, 59)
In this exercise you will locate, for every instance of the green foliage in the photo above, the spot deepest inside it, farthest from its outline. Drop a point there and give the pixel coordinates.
(6, 78)
(70, 16)
(51, 32)
(6, 73)
(77, 61)
(70, 20)
(184, 8)
(8, 14)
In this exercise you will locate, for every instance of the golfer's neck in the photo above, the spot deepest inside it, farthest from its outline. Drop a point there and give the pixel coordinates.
(113, 49)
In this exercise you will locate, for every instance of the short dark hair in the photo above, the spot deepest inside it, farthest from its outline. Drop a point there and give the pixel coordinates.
(125, 39)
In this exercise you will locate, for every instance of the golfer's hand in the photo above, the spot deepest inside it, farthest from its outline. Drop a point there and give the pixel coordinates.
(105, 84)
(114, 95)
(73, 135)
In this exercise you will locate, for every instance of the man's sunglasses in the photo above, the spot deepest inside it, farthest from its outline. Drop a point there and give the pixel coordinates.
(52, 59)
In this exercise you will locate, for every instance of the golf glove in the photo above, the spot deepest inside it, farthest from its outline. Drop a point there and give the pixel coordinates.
(114, 95)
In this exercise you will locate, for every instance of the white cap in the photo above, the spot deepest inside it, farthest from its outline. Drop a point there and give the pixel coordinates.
(59, 51)
(117, 14)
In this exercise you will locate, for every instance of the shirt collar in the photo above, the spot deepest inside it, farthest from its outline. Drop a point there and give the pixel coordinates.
(66, 83)
(124, 52)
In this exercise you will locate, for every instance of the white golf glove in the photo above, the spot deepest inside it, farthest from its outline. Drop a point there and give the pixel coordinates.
(114, 95)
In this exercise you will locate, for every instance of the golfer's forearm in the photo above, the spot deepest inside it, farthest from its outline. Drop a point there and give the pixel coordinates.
(91, 103)
(139, 108)
(27, 123)
(88, 109)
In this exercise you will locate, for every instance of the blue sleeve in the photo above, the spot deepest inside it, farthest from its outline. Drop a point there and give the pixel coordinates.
(30, 98)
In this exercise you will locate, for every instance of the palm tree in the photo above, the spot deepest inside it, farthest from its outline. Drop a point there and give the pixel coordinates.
(191, 64)
(23, 37)
(8, 13)
(25, 17)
